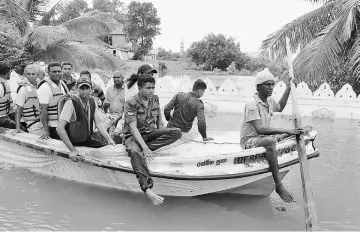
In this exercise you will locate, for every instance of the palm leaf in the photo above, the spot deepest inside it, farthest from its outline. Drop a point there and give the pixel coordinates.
(104, 17)
(59, 7)
(87, 26)
(43, 37)
(57, 52)
(354, 54)
(13, 11)
(80, 55)
(323, 52)
(300, 31)
(320, 1)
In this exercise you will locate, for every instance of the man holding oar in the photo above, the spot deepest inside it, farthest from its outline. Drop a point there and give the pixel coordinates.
(256, 130)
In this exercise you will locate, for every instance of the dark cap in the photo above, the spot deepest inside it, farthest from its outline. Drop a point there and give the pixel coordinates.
(83, 81)
(145, 68)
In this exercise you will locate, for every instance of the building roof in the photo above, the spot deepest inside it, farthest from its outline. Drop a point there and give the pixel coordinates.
(118, 31)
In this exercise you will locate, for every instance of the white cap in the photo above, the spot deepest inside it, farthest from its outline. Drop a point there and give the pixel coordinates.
(264, 76)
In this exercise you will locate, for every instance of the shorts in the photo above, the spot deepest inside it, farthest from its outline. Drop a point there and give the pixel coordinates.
(252, 142)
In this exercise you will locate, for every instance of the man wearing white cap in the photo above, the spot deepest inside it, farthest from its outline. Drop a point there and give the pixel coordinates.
(256, 130)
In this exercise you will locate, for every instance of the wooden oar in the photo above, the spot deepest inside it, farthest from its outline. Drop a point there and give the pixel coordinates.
(311, 219)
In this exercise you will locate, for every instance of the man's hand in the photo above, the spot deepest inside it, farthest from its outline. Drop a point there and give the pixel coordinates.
(148, 154)
(2, 130)
(161, 126)
(14, 132)
(111, 142)
(295, 131)
(287, 81)
(45, 134)
(208, 139)
(75, 156)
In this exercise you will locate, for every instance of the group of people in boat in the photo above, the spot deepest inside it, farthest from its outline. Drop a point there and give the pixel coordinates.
(53, 104)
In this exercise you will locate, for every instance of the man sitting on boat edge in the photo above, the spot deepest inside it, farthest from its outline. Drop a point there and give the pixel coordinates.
(186, 107)
(144, 132)
(27, 103)
(256, 130)
(76, 118)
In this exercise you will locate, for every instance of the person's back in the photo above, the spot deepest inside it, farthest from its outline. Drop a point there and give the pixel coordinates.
(186, 109)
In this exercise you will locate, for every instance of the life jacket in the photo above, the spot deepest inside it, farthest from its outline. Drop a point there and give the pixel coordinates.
(71, 83)
(6, 100)
(31, 109)
(80, 130)
(57, 94)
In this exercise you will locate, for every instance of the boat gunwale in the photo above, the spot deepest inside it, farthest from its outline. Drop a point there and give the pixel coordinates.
(98, 163)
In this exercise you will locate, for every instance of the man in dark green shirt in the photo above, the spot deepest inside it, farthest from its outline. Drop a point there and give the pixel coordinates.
(186, 107)
(144, 132)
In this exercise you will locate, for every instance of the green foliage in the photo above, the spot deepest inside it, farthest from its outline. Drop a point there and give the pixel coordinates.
(71, 11)
(13, 53)
(142, 25)
(168, 55)
(231, 68)
(216, 51)
(255, 64)
(337, 77)
(114, 7)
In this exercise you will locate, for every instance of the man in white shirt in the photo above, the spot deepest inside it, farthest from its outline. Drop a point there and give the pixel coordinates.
(28, 107)
(49, 92)
(114, 106)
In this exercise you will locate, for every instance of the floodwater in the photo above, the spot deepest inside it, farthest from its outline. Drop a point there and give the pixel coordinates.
(30, 201)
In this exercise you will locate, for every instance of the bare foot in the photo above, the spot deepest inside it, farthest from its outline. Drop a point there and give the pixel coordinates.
(156, 199)
(284, 194)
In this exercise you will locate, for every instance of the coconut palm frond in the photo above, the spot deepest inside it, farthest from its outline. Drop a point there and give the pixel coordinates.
(323, 52)
(59, 7)
(13, 11)
(43, 37)
(320, 1)
(57, 53)
(104, 17)
(87, 26)
(300, 31)
(108, 60)
(354, 55)
(80, 55)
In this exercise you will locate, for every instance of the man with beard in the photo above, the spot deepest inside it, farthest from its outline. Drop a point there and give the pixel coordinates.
(256, 130)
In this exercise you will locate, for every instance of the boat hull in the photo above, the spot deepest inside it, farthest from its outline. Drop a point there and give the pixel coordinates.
(45, 161)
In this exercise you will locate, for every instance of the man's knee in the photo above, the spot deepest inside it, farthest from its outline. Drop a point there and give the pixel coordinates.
(175, 132)
(268, 141)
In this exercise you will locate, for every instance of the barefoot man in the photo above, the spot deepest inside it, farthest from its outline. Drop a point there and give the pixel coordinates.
(256, 130)
(144, 132)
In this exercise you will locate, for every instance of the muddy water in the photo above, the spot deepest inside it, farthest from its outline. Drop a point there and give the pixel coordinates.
(33, 202)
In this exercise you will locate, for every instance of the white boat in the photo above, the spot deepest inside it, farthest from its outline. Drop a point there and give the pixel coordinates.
(188, 167)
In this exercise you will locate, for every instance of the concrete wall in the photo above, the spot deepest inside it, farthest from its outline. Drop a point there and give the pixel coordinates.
(233, 93)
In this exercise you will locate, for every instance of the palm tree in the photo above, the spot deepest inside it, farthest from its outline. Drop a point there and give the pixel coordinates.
(75, 41)
(325, 36)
